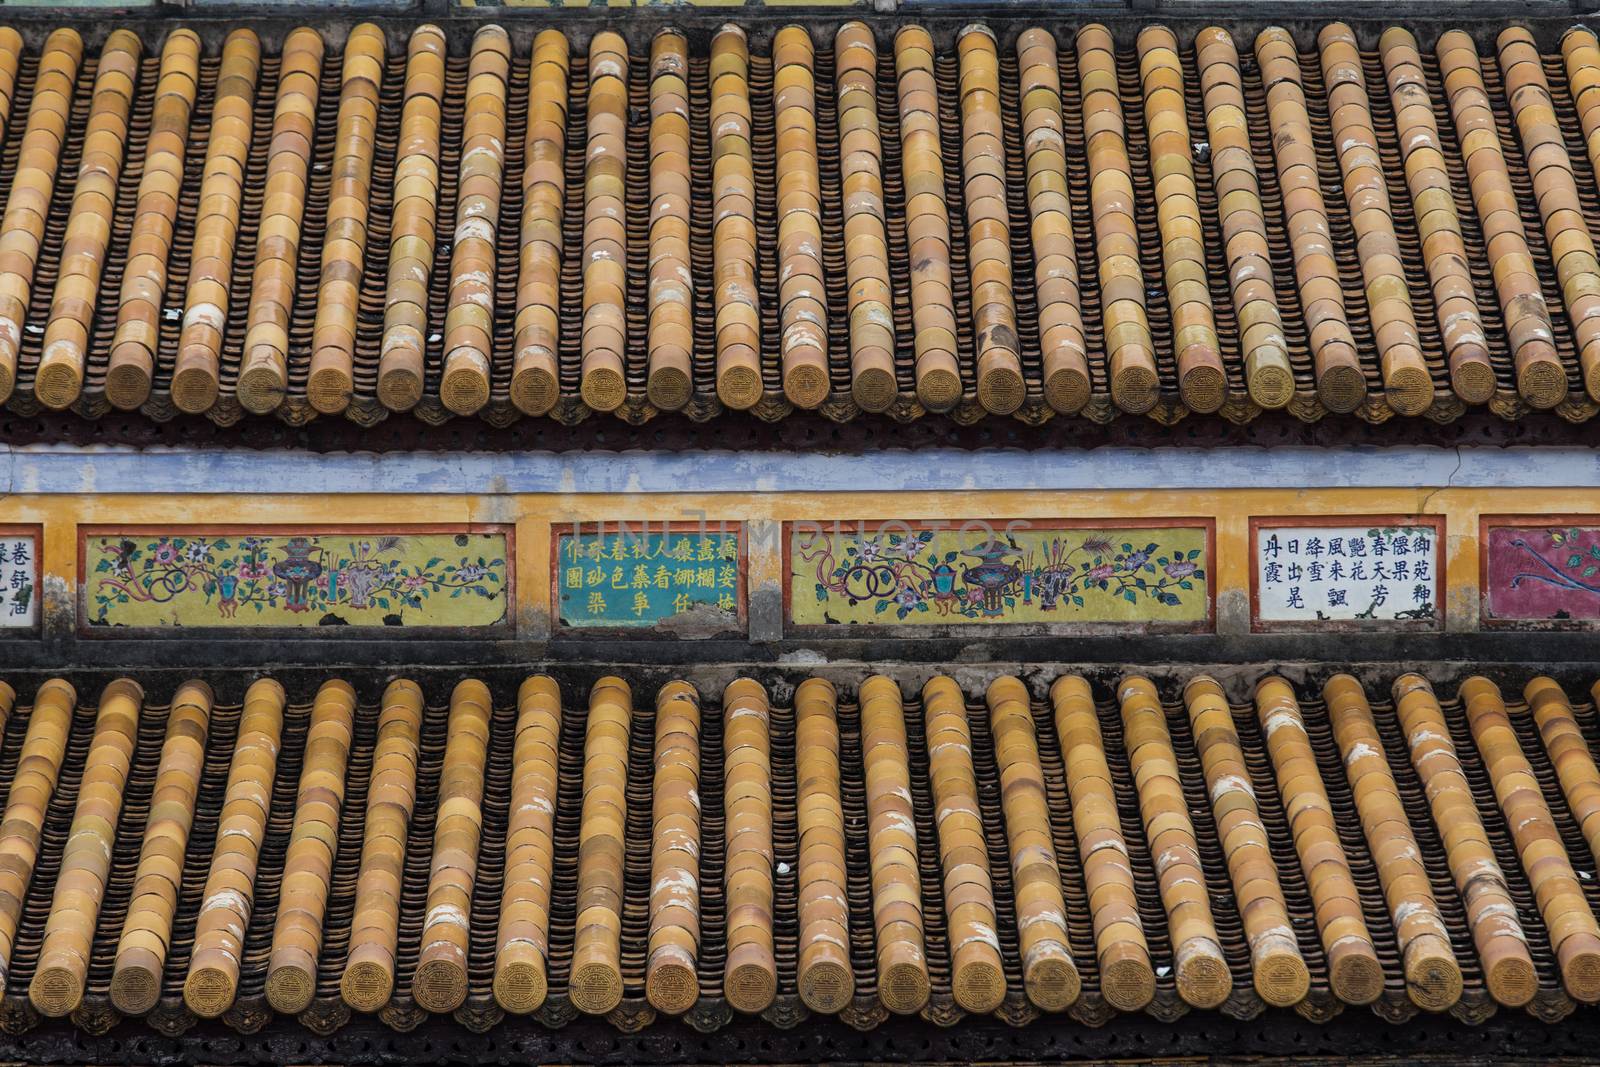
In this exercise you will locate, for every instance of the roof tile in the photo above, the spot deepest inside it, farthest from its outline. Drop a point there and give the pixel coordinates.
(808, 220)
(939, 854)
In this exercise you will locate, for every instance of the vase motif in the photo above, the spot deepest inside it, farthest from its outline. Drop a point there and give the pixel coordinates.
(993, 576)
(298, 570)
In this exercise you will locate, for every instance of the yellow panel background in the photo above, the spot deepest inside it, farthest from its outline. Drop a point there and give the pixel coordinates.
(997, 572)
(262, 578)
(533, 514)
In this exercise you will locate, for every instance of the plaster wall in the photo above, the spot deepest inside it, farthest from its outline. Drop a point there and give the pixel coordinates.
(61, 490)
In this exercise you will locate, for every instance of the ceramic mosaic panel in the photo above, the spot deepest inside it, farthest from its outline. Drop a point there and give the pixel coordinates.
(658, 3)
(1541, 571)
(1045, 573)
(1379, 571)
(19, 578)
(682, 577)
(146, 578)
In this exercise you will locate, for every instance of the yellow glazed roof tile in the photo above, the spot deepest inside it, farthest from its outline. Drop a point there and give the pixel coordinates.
(844, 849)
(1003, 221)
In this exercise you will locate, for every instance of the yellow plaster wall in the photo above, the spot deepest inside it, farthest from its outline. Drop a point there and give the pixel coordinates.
(533, 515)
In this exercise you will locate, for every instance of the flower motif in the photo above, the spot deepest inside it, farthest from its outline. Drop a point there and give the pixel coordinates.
(278, 589)
(1180, 569)
(252, 570)
(871, 551)
(165, 553)
(909, 548)
(198, 551)
(415, 581)
(909, 598)
(1101, 573)
(1135, 560)
(471, 572)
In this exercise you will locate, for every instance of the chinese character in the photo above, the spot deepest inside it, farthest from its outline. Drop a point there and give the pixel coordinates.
(574, 578)
(641, 604)
(1313, 547)
(1335, 546)
(1273, 573)
(597, 603)
(1272, 549)
(1336, 597)
(1294, 597)
(1380, 594)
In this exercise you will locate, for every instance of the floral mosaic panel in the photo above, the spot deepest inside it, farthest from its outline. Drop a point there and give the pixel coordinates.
(215, 578)
(998, 572)
(639, 576)
(1542, 574)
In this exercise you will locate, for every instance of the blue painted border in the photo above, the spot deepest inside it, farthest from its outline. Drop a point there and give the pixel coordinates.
(51, 470)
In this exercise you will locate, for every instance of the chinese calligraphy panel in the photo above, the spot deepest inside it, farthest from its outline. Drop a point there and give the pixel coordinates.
(1051, 573)
(19, 579)
(1378, 571)
(235, 577)
(1541, 572)
(681, 577)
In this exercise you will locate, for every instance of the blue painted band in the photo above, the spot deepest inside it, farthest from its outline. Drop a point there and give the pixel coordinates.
(53, 470)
